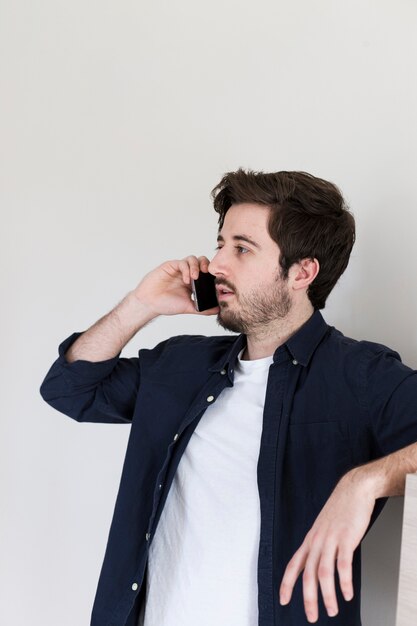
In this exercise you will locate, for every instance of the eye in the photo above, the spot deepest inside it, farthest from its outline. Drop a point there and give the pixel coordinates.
(241, 249)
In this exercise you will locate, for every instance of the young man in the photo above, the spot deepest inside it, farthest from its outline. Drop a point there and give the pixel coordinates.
(255, 457)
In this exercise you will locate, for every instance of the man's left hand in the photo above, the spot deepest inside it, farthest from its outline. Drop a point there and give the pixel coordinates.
(330, 543)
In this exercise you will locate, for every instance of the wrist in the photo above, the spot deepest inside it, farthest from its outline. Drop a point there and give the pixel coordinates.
(134, 311)
(368, 479)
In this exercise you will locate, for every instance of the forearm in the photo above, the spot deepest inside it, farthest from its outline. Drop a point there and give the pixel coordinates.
(386, 476)
(163, 291)
(108, 336)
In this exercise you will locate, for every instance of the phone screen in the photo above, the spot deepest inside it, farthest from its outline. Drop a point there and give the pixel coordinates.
(204, 291)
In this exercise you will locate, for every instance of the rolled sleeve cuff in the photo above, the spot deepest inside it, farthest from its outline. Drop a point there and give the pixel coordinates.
(82, 369)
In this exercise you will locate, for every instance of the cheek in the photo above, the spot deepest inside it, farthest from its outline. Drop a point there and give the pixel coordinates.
(261, 275)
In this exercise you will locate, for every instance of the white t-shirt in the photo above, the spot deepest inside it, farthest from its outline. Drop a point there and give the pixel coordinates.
(203, 558)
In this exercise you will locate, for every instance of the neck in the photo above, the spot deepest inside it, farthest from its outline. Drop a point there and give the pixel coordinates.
(263, 341)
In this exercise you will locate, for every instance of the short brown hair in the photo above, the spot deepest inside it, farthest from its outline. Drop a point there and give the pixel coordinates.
(309, 219)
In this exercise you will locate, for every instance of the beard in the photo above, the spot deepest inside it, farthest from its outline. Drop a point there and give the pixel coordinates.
(257, 308)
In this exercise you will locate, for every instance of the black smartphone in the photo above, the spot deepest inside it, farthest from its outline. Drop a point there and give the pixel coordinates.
(204, 291)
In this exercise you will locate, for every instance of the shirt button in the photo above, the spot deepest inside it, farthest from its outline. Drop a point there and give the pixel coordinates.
(295, 362)
(176, 437)
(148, 536)
(135, 586)
(223, 372)
(160, 486)
(210, 399)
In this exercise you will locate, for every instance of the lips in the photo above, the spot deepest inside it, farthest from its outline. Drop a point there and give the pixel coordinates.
(223, 292)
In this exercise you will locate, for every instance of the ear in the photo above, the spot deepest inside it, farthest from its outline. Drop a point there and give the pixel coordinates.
(304, 273)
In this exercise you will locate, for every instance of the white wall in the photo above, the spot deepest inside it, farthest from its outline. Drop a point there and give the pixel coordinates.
(116, 120)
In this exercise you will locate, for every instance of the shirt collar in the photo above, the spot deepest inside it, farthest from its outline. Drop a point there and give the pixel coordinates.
(301, 345)
(227, 361)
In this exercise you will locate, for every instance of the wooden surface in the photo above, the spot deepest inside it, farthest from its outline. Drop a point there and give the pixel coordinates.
(407, 589)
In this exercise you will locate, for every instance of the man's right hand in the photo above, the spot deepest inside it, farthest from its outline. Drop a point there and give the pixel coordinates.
(166, 290)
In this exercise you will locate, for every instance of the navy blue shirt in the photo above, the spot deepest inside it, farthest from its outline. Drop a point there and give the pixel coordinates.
(331, 404)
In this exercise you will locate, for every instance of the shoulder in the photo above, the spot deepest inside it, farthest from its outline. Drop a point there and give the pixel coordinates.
(187, 350)
(367, 371)
(372, 367)
(361, 349)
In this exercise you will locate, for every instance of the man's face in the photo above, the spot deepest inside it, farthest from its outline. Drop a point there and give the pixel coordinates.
(246, 267)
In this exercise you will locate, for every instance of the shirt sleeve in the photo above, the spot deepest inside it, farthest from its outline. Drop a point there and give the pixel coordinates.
(391, 398)
(102, 391)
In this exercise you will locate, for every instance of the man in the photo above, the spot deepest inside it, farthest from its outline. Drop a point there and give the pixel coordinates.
(252, 459)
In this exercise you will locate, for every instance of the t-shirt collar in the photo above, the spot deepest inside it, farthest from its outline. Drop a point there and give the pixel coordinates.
(301, 345)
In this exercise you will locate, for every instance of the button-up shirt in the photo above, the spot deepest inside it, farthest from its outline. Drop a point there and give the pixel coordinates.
(331, 403)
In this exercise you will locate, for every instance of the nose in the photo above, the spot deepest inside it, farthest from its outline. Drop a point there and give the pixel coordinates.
(218, 264)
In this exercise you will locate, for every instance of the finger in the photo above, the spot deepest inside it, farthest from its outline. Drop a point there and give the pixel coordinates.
(344, 569)
(189, 268)
(310, 587)
(204, 263)
(194, 266)
(212, 311)
(184, 268)
(326, 574)
(292, 572)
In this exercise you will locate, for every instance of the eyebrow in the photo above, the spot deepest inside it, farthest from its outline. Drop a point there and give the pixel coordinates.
(241, 238)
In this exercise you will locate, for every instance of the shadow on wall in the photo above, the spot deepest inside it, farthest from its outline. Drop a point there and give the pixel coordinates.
(380, 566)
